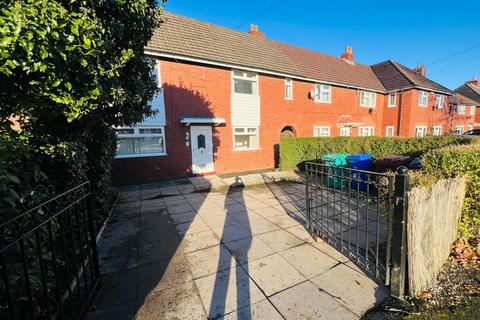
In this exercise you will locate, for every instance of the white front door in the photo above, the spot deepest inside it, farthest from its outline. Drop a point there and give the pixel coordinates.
(202, 149)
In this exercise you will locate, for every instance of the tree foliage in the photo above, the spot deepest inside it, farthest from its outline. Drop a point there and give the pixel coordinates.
(70, 71)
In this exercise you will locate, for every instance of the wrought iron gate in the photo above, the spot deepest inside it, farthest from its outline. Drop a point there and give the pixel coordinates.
(356, 212)
(48, 259)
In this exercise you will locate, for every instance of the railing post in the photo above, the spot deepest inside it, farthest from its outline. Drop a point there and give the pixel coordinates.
(307, 197)
(91, 227)
(399, 234)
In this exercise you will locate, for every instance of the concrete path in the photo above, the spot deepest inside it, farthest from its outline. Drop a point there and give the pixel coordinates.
(171, 252)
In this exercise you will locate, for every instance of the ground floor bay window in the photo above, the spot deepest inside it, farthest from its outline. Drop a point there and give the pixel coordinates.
(140, 142)
(245, 138)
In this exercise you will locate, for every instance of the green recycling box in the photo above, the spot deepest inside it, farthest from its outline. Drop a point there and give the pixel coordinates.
(337, 160)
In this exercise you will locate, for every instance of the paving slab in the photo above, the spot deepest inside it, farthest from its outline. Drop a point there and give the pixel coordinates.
(262, 310)
(273, 274)
(227, 290)
(317, 261)
(354, 289)
(200, 240)
(280, 240)
(248, 249)
(307, 301)
(209, 261)
(180, 302)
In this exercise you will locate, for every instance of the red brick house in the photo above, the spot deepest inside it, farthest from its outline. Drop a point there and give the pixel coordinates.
(471, 90)
(227, 97)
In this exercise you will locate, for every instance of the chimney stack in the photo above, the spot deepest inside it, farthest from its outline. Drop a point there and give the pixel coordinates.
(254, 31)
(474, 81)
(348, 55)
(420, 69)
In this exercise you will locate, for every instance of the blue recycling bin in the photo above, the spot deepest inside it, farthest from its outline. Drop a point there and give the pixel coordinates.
(359, 162)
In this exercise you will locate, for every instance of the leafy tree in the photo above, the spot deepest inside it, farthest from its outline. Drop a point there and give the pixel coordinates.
(70, 71)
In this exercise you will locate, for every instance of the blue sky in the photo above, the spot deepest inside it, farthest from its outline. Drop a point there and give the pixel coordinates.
(410, 32)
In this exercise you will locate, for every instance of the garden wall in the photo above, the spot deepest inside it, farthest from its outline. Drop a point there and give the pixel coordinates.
(295, 151)
(432, 224)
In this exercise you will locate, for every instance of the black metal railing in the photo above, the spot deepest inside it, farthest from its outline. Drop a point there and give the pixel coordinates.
(352, 211)
(48, 259)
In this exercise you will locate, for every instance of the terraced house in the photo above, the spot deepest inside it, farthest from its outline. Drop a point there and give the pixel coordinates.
(227, 98)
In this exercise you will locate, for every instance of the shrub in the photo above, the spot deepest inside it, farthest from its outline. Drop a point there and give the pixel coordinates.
(295, 151)
(455, 161)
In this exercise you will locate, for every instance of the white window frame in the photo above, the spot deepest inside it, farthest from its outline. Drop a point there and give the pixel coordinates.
(373, 99)
(440, 101)
(288, 83)
(421, 96)
(245, 133)
(320, 89)
(136, 134)
(345, 128)
(472, 110)
(371, 133)
(394, 95)
(423, 128)
(462, 130)
(320, 128)
(469, 127)
(436, 127)
(390, 128)
(245, 77)
(461, 110)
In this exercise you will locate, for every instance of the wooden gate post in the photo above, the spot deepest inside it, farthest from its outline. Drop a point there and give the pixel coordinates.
(399, 234)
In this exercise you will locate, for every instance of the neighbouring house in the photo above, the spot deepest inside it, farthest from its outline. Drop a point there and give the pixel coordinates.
(228, 97)
(471, 90)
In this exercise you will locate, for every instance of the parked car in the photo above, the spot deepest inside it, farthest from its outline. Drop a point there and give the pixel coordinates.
(474, 132)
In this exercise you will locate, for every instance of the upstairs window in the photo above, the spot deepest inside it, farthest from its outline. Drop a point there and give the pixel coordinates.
(323, 93)
(472, 110)
(245, 82)
(368, 99)
(439, 101)
(392, 99)
(461, 109)
(423, 98)
(288, 89)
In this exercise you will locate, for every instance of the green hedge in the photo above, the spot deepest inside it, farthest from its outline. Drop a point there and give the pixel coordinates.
(295, 151)
(450, 162)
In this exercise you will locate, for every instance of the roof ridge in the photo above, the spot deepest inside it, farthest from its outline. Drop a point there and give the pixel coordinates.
(244, 33)
(397, 66)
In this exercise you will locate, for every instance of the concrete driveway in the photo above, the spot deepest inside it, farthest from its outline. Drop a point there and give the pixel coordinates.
(172, 252)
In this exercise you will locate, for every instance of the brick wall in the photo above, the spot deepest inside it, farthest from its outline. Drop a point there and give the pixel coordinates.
(194, 89)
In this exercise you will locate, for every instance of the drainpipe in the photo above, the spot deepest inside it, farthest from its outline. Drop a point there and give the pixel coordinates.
(400, 114)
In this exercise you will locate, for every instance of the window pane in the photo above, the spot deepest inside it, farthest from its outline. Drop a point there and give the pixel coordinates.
(150, 131)
(254, 130)
(146, 145)
(201, 141)
(245, 86)
(239, 130)
(238, 73)
(124, 131)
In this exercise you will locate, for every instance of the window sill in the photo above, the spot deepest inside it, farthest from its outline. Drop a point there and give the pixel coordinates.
(324, 102)
(422, 106)
(241, 150)
(365, 106)
(128, 156)
(392, 106)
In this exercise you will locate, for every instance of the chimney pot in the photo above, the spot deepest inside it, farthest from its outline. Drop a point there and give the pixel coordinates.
(348, 55)
(474, 81)
(420, 69)
(254, 31)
